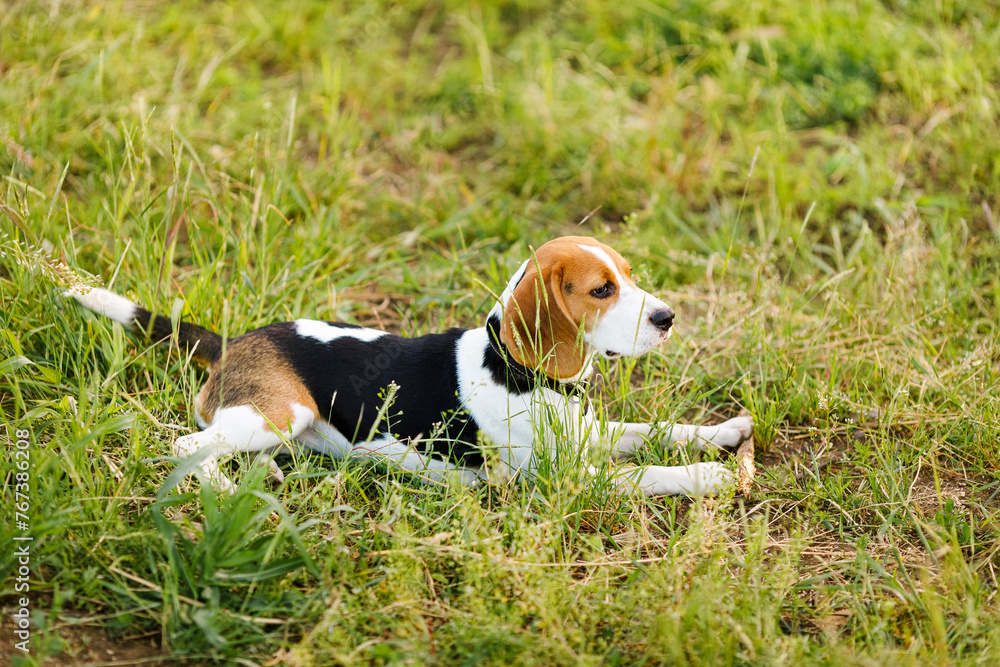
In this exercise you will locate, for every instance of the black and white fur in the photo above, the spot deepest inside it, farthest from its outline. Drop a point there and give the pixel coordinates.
(446, 388)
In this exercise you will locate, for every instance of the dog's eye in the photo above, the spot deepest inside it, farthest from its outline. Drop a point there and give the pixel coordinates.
(604, 291)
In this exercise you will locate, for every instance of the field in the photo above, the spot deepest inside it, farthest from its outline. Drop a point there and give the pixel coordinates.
(812, 186)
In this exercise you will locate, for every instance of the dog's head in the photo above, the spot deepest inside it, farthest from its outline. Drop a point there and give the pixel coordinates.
(575, 297)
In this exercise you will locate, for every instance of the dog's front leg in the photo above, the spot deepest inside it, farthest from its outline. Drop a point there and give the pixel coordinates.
(697, 479)
(626, 437)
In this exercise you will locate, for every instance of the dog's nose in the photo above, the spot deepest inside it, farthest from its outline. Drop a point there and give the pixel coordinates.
(662, 319)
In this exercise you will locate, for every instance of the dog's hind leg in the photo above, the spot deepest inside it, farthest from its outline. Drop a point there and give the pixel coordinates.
(406, 457)
(241, 428)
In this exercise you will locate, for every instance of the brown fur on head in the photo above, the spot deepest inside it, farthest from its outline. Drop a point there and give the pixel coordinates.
(553, 305)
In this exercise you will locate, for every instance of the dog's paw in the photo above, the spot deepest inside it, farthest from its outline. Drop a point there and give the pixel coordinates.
(217, 478)
(188, 445)
(276, 473)
(743, 426)
(729, 434)
(709, 478)
(220, 481)
(697, 479)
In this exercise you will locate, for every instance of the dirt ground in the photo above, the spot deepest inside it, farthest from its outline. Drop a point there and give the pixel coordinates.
(87, 646)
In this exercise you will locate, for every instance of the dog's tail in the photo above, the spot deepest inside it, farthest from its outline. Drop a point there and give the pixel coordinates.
(204, 346)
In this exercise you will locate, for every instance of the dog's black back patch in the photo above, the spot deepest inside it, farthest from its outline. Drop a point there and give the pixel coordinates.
(349, 379)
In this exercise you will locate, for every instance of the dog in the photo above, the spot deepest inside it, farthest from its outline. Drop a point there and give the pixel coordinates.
(424, 403)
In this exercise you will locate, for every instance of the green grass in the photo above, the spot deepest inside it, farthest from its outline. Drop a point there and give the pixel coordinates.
(813, 188)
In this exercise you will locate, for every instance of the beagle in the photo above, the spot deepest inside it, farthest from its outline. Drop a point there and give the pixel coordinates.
(426, 403)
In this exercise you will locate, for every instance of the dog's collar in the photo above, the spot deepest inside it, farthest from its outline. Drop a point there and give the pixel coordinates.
(518, 377)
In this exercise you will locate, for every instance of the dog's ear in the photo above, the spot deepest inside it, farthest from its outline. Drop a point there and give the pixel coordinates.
(537, 326)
